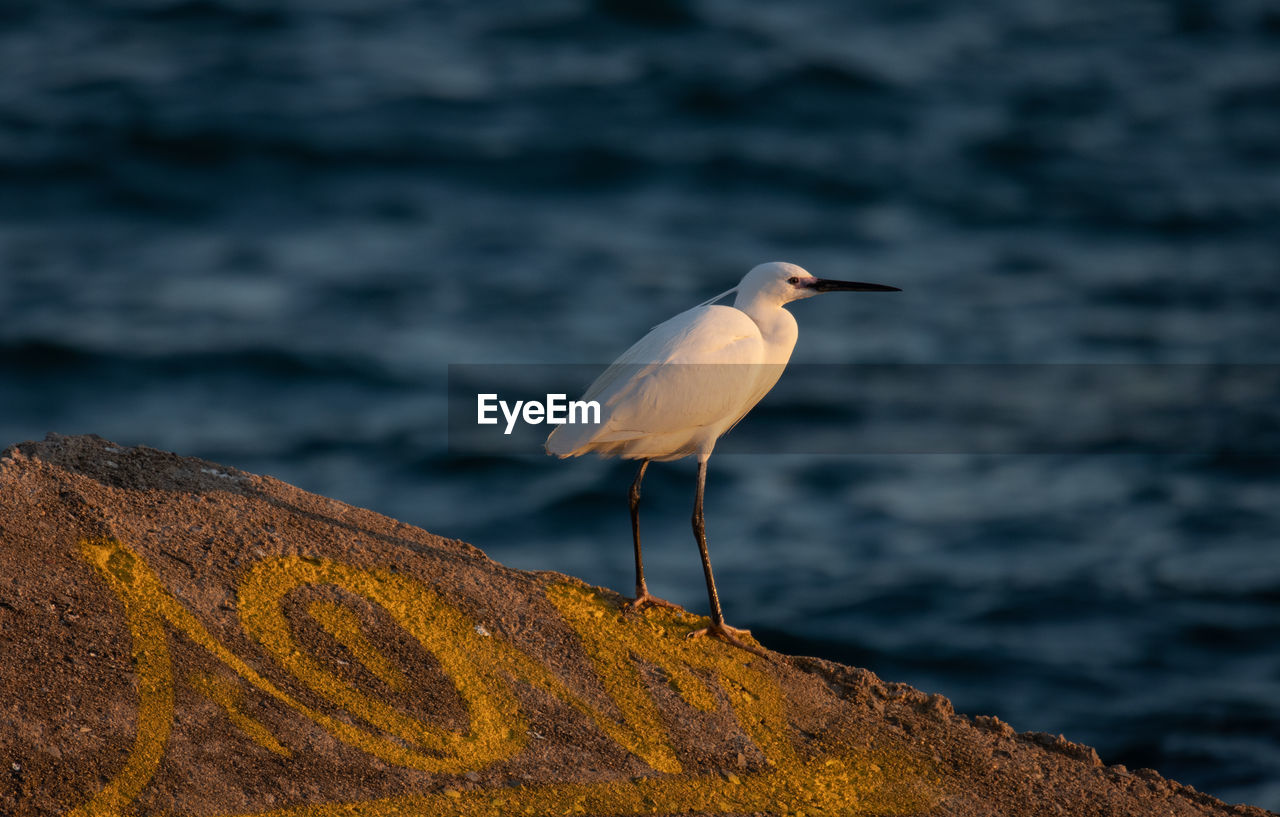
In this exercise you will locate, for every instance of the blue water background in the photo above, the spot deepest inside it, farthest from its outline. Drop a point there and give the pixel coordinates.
(260, 230)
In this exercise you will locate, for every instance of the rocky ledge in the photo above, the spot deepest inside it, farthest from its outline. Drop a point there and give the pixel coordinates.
(183, 638)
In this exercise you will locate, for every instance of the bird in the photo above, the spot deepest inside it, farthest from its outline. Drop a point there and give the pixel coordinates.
(679, 388)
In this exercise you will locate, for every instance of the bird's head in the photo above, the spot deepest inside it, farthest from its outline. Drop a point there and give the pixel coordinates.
(779, 282)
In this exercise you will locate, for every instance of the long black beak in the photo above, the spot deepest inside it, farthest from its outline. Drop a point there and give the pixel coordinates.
(827, 285)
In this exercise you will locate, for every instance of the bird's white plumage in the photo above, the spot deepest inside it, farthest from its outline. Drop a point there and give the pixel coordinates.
(692, 377)
(674, 391)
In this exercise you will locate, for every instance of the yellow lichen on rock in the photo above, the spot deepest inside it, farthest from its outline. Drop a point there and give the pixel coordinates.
(226, 694)
(485, 670)
(344, 626)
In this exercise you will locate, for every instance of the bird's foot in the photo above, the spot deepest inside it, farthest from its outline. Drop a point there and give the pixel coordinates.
(729, 635)
(643, 600)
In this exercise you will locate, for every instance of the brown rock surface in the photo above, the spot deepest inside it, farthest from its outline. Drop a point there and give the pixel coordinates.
(183, 638)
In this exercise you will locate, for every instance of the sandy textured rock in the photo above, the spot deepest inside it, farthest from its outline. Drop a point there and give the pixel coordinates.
(184, 638)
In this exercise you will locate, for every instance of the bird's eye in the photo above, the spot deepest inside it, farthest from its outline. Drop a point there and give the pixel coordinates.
(793, 280)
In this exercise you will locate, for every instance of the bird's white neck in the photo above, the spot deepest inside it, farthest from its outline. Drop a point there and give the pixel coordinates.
(777, 326)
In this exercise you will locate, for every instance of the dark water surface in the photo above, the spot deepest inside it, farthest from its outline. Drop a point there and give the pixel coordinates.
(260, 232)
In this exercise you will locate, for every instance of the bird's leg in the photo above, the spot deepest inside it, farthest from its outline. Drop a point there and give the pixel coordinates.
(718, 628)
(642, 599)
(634, 497)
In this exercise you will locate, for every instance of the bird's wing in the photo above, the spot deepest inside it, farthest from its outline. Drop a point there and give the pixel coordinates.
(694, 370)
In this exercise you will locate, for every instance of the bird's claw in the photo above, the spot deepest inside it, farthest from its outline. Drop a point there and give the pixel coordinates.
(643, 600)
(729, 635)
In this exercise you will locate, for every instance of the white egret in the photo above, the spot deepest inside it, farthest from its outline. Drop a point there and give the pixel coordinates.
(687, 382)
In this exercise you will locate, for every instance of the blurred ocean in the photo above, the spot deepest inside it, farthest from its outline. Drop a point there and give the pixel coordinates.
(260, 231)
